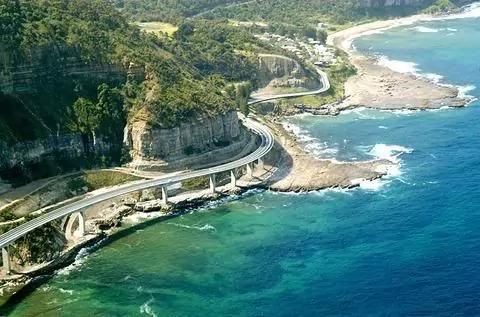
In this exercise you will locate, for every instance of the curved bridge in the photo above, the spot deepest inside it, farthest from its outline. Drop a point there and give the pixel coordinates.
(267, 142)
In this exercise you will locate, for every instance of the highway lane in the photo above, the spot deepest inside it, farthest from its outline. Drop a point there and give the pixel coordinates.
(267, 142)
(325, 87)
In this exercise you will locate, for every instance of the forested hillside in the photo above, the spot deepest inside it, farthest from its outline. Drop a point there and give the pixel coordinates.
(294, 12)
(70, 67)
(169, 10)
(51, 52)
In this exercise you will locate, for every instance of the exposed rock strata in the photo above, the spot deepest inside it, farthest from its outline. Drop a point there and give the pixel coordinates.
(281, 71)
(189, 140)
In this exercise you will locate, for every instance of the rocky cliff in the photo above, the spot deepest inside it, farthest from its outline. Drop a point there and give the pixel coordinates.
(282, 71)
(30, 160)
(187, 140)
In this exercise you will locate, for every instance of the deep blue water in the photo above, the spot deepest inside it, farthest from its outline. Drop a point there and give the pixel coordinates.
(407, 246)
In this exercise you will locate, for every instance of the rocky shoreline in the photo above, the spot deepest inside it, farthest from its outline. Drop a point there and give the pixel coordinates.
(379, 87)
(287, 168)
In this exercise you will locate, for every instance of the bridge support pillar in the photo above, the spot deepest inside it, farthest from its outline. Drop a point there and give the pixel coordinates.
(233, 178)
(249, 170)
(6, 261)
(261, 163)
(164, 195)
(213, 183)
(80, 232)
(81, 224)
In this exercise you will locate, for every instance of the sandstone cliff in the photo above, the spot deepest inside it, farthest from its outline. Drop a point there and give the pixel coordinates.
(221, 135)
(282, 71)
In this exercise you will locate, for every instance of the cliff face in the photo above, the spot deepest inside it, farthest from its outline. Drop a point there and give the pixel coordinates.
(282, 71)
(195, 137)
(24, 79)
(30, 160)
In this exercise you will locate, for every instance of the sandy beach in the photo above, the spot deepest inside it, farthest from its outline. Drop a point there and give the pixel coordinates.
(379, 87)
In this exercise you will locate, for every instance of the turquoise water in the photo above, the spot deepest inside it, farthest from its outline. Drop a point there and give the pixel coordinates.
(406, 246)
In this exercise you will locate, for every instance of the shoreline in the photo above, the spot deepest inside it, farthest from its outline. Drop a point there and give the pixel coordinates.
(326, 173)
(287, 168)
(377, 86)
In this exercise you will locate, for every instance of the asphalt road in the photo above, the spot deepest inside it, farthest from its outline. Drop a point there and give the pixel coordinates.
(266, 145)
(325, 87)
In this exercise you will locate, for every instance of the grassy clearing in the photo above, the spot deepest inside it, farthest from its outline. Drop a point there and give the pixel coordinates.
(204, 182)
(338, 75)
(158, 28)
(63, 189)
(99, 179)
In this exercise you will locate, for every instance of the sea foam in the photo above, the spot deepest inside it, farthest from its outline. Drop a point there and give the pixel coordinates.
(423, 29)
(398, 66)
(389, 152)
(408, 68)
(463, 90)
(147, 309)
(319, 149)
(206, 227)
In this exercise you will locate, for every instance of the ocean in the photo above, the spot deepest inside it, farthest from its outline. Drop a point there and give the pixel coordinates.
(408, 245)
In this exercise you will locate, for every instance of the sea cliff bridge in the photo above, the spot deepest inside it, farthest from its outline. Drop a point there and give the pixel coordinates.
(75, 212)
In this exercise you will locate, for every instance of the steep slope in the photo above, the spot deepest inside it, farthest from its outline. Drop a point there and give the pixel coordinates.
(73, 72)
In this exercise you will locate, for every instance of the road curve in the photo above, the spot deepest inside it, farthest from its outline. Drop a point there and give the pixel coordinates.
(325, 87)
(267, 142)
(266, 145)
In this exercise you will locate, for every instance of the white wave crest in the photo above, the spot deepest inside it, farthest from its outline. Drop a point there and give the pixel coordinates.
(408, 68)
(80, 258)
(398, 66)
(147, 309)
(435, 78)
(424, 29)
(206, 227)
(463, 90)
(66, 291)
(389, 152)
(322, 150)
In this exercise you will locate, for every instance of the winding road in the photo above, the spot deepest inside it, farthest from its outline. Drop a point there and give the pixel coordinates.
(267, 142)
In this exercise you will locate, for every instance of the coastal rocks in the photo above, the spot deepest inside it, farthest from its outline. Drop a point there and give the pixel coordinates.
(299, 171)
(149, 206)
(109, 218)
(309, 174)
(382, 88)
(273, 109)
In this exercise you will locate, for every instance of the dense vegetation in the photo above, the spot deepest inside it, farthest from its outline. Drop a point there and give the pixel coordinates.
(169, 10)
(296, 14)
(78, 66)
(52, 37)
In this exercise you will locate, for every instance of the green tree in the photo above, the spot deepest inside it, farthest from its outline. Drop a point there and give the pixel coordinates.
(86, 116)
(322, 36)
(110, 112)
